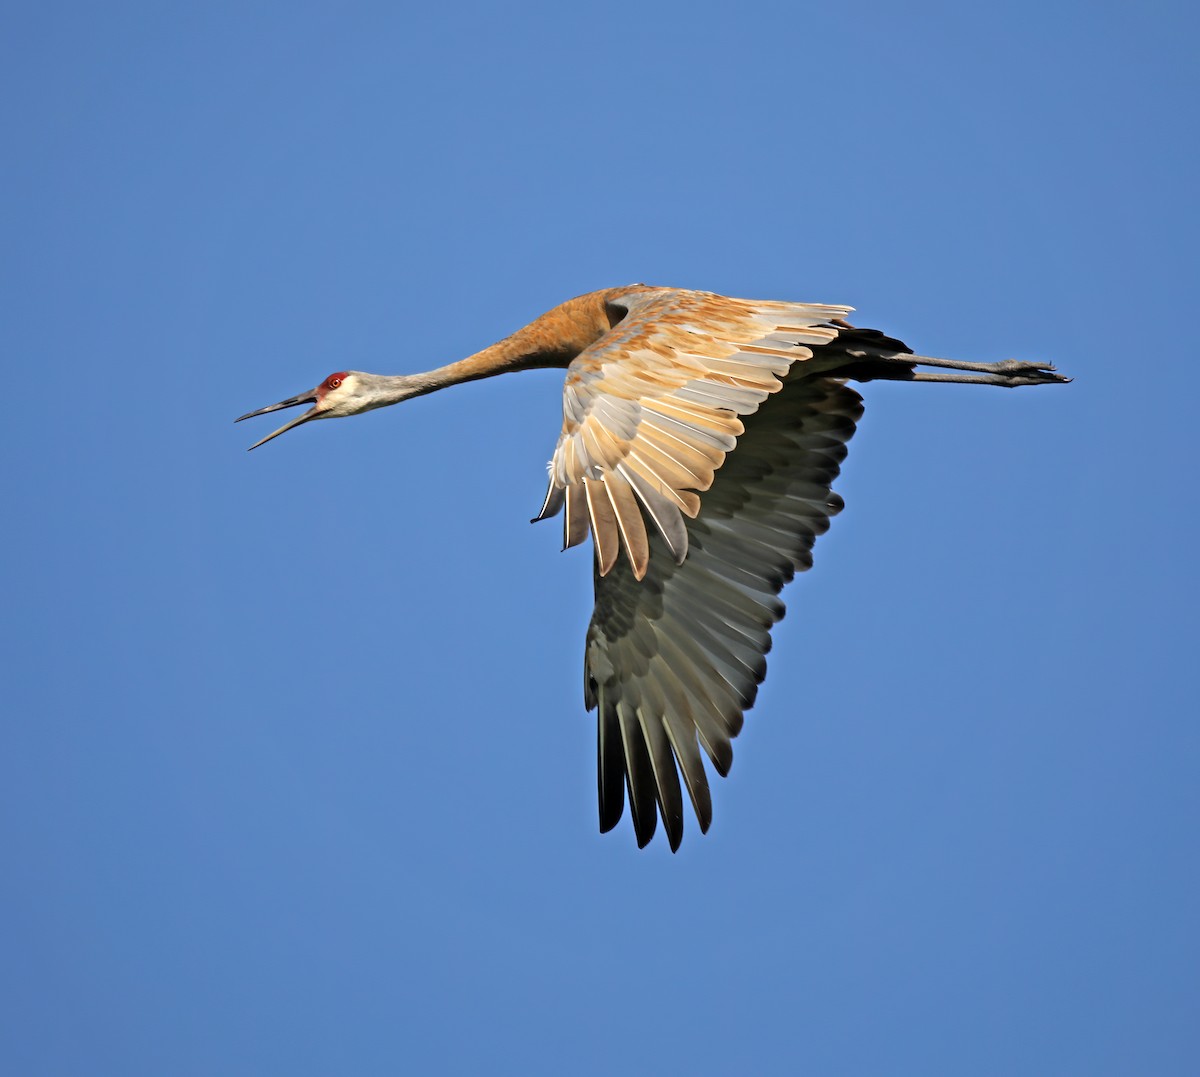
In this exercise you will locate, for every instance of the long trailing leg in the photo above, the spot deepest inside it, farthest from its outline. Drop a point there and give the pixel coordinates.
(1009, 373)
(874, 355)
(902, 366)
(1035, 376)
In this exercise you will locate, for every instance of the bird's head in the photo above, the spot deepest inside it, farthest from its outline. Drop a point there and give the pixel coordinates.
(345, 392)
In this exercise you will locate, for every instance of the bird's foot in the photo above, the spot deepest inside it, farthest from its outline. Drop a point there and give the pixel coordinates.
(1017, 372)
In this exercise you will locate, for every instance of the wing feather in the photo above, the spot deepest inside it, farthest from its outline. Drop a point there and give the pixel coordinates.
(668, 793)
(639, 772)
(604, 524)
(575, 519)
(629, 521)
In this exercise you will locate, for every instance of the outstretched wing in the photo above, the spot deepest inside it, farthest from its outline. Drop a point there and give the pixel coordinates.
(673, 660)
(651, 409)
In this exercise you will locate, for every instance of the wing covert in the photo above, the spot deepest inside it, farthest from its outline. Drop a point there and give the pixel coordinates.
(651, 409)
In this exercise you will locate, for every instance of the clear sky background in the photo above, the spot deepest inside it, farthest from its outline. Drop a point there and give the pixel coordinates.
(296, 777)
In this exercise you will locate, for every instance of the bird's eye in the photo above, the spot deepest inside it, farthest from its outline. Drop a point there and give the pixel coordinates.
(334, 382)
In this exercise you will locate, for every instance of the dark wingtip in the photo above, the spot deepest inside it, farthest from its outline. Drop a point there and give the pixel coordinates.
(644, 823)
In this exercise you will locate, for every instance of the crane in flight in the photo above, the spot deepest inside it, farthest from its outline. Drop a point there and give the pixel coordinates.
(701, 436)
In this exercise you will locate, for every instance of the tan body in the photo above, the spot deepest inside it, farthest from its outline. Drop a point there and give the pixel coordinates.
(701, 436)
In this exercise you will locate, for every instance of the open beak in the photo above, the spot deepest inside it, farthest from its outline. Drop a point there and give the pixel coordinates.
(304, 398)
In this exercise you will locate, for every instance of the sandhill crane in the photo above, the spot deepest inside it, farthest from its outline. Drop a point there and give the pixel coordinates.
(701, 435)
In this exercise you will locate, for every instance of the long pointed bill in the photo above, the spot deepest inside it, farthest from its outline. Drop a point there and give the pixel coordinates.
(304, 398)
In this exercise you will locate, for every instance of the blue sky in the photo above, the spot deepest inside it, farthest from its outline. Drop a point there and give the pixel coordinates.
(296, 776)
